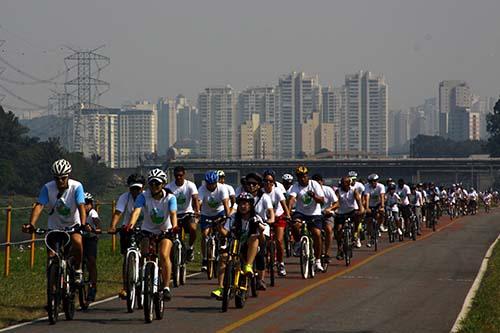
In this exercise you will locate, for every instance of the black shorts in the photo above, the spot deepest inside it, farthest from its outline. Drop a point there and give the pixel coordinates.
(340, 218)
(315, 221)
(90, 247)
(405, 212)
(124, 241)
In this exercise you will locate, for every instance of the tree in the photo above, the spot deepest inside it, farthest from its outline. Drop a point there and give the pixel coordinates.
(493, 127)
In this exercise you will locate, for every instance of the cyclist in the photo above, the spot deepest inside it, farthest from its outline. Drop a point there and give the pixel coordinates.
(125, 207)
(416, 202)
(350, 206)
(393, 201)
(473, 200)
(90, 244)
(214, 198)
(404, 192)
(160, 215)
(307, 196)
(282, 215)
(186, 194)
(65, 200)
(264, 208)
(230, 189)
(374, 205)
(248, 224)
(328, 209)
(360, 188)
(287, 181)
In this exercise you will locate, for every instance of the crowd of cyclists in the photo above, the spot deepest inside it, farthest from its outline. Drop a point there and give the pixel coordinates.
(263, 207)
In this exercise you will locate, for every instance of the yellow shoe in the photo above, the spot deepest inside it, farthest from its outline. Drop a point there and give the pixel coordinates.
(217, 293)
(247, 269)
(122, 294)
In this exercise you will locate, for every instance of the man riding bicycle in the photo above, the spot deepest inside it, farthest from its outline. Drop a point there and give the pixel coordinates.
(374, 204)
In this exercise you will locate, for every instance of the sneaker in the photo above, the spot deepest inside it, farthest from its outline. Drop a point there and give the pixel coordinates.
(167, 295)
(247, 269)
(379, 234)
(318, 266)
(122, 294)
(296, 249)
(383, 228)
(369, 244)
(281, 269)
(204, 264)
(78, 276)
(190, 254)
(358, 243)
(261, 285)
(91, 294)
(400, 232)
(217, 293)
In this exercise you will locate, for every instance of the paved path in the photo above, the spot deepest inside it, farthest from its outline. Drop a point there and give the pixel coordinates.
(406, 287)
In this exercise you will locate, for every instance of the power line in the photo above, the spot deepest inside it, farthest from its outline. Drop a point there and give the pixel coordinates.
(32, 77)
(22, 99)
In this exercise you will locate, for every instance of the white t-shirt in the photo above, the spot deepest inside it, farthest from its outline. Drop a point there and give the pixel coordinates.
(262, 204)
(230, 189)
(404, 193)
(281, 187)
(91, 215)
(211, 202)
(184, 195)
(305, 204)
(156, 212)
(277, 196)
(416, 199)
(392, 201)
(347, 200)
(375, 194)
(359, 187)
(62, 208)
(330, 196)
(125, 205)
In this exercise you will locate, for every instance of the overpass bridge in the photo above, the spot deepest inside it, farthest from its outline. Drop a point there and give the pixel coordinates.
(477, 172)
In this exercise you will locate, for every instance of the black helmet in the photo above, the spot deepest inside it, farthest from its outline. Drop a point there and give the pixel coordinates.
(136, 179)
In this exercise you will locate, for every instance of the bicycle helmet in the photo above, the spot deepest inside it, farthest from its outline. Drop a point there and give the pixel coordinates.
(221, 173)
(287, 177)
(392, 186)
(372, 177)
(88, 197)
(269, 172)
(245, 196)
(301, 170)
(61, 168)
(157, 174)
(353, 174)
(317, 177)
(211, 177)
(136, 180)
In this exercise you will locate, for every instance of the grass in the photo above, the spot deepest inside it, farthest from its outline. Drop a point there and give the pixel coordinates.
(484, 315)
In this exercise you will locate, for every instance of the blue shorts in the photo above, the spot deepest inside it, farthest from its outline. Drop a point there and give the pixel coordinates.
(315, 221)
(204, 224)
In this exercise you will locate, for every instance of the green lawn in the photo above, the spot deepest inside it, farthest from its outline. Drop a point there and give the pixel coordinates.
(484, 316)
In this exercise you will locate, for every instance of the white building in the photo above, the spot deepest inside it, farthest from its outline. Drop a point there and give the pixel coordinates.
(453, 94)
(167, 124)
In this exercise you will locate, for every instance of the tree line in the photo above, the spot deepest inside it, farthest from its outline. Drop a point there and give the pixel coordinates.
(25, 161)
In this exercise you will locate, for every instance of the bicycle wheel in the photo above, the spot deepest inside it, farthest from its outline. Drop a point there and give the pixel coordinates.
(253, 284)
(414, 228)
(69, 298)
(242, 294)
(131, 276)
(227, 285)
(210, 258)
(271, 263)
(53, 291)
(149, 276)
(391, 230)
(304, 258)
(83, 291)
(176, 264)
(158, 302)
(288, 243)
(347, 248)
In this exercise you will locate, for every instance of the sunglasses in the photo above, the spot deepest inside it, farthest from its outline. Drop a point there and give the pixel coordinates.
(251, 183)
(60, 178)
(154, 183)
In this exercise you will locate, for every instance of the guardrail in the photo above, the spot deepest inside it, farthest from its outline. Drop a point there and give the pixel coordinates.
(8, 235)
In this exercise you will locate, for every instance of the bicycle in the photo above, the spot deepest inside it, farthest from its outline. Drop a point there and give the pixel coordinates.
(413, 225)
(433, 219)
(391, 225)
(85, 285)
(288, 241)
(325, 261)
(212, 243)
(306, 252)
(374, 229)
(347, 235)
(152, 279)
(236, 284)
(179, 253)
(271, 257)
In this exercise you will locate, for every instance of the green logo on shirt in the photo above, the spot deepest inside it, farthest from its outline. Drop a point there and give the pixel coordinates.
(212, 203)
(181, 200)
(306, 199)
(157, 216)
(62, 209)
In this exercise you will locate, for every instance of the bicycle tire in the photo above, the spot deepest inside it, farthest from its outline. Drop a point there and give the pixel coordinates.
(304, 259)
(375, 234)
(83, 291)
(53, 291)
(130, 275)
(227, 285)
(253, 284)
(158, 302)
(69, 296)
(272, 263)
(148, 292)
(210, 258)
(288, 243)
(176, 265)
(242, 294)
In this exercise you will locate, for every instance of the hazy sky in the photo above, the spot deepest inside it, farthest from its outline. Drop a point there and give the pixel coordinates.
(163, 48)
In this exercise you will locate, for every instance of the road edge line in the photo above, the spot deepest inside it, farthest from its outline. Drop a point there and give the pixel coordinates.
(474, 288)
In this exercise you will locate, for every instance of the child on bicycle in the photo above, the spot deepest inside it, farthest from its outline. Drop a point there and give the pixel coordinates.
(392, 204)
(248, 225)
(90, 244)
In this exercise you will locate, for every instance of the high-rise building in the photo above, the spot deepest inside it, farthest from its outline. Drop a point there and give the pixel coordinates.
(167, 124)
(453, 94)
(255, 139)
(333, 113)
(217, 108)
(186, 118)
(366, 114)
(299, 97)
(398, 128)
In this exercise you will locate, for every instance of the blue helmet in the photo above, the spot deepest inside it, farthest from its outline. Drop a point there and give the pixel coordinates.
(211, 177)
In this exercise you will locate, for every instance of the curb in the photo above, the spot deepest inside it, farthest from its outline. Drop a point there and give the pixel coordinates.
(473, 289)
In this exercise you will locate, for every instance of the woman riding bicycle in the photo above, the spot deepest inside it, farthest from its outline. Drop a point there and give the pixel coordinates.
(248, 225)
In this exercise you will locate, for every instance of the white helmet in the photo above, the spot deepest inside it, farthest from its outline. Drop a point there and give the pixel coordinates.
(221, 173)
(287, 177)
(353, 174)
(61, 168)
(373, 176)
(89, 196)
(157, 174)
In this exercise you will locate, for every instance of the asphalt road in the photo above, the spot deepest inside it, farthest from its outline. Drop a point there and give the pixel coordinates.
(405, 287)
